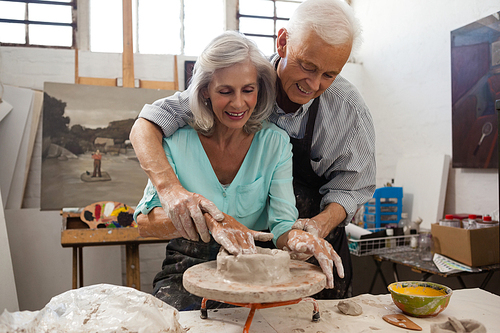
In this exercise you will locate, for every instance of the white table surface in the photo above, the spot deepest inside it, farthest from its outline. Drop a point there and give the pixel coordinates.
(474, 304)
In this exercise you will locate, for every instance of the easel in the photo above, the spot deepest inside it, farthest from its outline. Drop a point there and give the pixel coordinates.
(127, 62)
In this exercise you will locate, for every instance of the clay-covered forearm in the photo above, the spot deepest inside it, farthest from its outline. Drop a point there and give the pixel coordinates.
(329, 218)
(146, 139)
(156, 224)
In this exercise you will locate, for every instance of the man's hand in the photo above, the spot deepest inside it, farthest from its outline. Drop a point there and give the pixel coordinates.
(309, 225)
(323, 223)
(303, 243)
(186, 209)
(234, 236)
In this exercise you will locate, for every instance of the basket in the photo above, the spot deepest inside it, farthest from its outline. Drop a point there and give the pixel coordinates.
(381, 245)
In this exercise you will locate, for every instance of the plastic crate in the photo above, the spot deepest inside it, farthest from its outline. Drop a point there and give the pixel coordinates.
(384, 208)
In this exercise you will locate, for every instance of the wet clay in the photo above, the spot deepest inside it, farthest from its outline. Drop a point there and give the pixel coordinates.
(350, 308)
(267, 267)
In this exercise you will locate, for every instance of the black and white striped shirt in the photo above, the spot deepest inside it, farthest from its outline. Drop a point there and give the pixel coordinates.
(343, 147)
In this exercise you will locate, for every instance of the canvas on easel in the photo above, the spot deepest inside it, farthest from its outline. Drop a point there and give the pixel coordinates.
(8, 292)
(86, 155)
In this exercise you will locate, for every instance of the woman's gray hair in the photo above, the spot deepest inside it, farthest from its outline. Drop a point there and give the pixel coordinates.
(332, 20)
(228, 49)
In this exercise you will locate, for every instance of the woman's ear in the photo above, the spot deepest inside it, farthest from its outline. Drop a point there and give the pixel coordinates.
(281, 42)
(204, 93)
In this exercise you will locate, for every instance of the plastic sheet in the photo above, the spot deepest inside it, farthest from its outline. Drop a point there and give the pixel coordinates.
(99, 308)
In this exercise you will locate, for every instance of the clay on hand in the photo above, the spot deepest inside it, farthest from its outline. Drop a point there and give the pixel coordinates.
(234, 236)
(309, 225)
(186, 209)
(302, 242)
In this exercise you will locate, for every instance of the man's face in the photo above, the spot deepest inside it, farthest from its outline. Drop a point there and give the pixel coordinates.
(308, 66)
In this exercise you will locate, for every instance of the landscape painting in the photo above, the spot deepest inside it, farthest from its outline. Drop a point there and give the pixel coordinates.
(86, 153)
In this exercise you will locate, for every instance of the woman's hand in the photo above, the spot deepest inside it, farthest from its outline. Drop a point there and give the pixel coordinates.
(185, 209)
(234, 236)
(301, 243)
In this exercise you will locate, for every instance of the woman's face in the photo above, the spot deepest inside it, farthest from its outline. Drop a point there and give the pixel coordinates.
(233, 93)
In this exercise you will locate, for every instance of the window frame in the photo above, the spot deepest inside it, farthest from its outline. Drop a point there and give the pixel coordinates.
(275, 18)
(27, 23)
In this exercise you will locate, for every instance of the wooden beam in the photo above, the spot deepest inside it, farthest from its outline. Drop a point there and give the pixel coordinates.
(104, 236)
(77, 75)
(128, 47)
(176, 74)
(96, 81)
(162, 85)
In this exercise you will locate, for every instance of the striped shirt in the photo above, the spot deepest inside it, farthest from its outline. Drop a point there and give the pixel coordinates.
(343, 143)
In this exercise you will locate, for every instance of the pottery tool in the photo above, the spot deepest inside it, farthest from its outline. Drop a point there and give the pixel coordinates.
(402, 321)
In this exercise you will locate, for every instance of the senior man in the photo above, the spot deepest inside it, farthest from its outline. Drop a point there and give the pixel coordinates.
(329, 124)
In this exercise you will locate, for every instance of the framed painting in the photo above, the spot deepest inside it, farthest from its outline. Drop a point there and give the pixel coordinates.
(188, 72)
(86, 152)
(475, 73)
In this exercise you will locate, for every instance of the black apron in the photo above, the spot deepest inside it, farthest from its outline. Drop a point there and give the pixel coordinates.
(306, 185)
(182, 253)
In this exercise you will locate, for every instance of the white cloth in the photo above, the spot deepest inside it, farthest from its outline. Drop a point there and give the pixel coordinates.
(99, 308)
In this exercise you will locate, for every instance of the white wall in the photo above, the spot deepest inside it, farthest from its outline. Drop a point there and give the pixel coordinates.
(406, 82)
(404, 76)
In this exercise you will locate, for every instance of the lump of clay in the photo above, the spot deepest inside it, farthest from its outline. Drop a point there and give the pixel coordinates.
(453, 325)
(350, 308)
(266, 267)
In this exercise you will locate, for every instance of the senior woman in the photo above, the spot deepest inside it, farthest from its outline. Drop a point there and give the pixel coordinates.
(236, 159)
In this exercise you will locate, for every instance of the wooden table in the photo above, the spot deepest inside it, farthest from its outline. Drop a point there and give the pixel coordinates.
(76, 234)
(474, 304)
(427, 268)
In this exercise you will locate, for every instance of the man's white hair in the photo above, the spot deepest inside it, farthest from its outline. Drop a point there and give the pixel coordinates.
(332, 20)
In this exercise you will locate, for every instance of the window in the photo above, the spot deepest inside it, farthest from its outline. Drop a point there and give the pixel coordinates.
(37, 22)
(160, 26)
(261, 20)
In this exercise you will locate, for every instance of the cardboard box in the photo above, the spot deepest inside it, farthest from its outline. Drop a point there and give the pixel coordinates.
(476, 247)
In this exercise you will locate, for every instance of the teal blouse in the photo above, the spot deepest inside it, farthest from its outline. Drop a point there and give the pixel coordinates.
(260, 196)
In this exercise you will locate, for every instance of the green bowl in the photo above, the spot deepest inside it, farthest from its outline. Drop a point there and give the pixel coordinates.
(420, 299)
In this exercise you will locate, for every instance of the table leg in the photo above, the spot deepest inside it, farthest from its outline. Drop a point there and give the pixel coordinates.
(75, 267)
(133, 269)
(80, 264)
(462, 283)
(395, 271)
(378, 271)
(487, 279)
(203, 309)
(249, 319)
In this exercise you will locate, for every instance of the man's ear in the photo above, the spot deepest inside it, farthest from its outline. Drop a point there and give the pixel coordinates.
(281, 42)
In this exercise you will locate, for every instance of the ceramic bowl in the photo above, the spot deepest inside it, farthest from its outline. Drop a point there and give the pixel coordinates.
(419, 298)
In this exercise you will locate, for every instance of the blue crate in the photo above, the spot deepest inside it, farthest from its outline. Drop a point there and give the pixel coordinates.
(384, 208)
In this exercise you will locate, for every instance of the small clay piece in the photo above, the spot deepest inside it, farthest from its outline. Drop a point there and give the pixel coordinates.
(350, 308)
(453, 325)
(266, 267)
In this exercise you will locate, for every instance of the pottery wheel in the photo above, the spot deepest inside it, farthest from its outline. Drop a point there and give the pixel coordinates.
(204, 281)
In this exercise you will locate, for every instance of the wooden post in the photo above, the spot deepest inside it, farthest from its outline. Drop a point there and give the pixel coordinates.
(77, 74)
(128, 46)
(176, 74)
(133, 266)
(75, 267)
